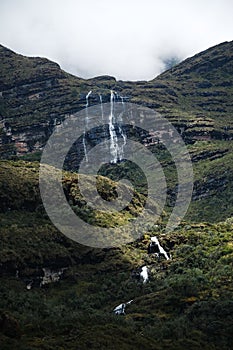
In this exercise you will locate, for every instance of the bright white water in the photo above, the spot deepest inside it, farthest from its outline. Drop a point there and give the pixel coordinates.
(118, 138)
(86, 126)
(87, 97)
(84, 146)
(144, 274)
(29, 286)
(161, 250)
(121, 144)
(116, 144)
(112, 131)
(120, 309)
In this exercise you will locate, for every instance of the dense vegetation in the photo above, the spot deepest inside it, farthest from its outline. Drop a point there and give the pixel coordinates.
(187, 302)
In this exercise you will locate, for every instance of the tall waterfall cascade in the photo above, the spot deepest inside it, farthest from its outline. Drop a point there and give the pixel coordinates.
(117, 136)
(86, 126)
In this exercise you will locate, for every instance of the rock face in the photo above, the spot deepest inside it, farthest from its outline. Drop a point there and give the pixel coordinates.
(36, 95)
(51, 276)
(195, 96)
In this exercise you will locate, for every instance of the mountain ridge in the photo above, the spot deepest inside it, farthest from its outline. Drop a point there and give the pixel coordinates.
(35, 92)
(58, 294)
(198, 103)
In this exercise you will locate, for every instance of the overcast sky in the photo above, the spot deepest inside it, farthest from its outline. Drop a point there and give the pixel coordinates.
(129, 39)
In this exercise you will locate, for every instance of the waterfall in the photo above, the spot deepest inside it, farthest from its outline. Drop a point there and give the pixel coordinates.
(87, 97)
(86, 126)
(122, 100)
(121, 147)
(120, 309)
(84, 146)
(112, 131)
(144, 274)
(101, 107)
(121, 132)
(87, 105)
(161, 250)
(116, 145)
(117, 135)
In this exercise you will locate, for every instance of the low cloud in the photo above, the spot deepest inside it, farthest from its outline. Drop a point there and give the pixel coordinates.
(129, 39)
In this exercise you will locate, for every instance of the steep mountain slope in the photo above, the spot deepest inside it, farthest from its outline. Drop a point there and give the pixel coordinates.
(57, 294)
(203, 84)
(36, 95)
(195, 95)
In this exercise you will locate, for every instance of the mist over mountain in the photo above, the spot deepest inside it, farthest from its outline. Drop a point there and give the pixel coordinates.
(130, 41)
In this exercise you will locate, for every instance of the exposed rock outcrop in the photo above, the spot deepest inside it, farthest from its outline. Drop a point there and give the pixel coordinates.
(36, 95)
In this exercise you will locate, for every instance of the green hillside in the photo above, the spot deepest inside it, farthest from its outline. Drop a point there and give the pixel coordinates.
(188, 299)
(195, 95)
(58, 294)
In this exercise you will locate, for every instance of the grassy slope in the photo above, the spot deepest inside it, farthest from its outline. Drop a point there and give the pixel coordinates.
(188, 299)
(203, 84)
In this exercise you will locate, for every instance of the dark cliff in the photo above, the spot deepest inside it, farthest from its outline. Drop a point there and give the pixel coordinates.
(35, 95)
